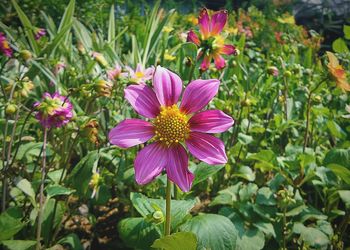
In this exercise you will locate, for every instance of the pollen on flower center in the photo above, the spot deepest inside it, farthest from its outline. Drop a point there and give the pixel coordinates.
(171, 126)
(139, 74)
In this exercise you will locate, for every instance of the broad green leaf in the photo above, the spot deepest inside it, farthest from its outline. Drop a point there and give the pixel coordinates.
(346, 30)
(19, 244)
(179, 208)
(177, 241)
(336, 130)
(49, 221)
(312, 236)
(337, 156)
(341, 172)
(244, 139)
(345, 196)
(213, 231)
(265, 197)
(137, 233)
(266, 160)
(26, 187)
(9, 225)
(340, 46)
(203, 171)
(72, 240)
(54, 190)
(245, 172)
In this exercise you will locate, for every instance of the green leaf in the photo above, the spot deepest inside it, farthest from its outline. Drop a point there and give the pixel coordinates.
(179, 208)
(176, 241)
(340, 46)
(19, 244)
(72, 240)
(336, 130)
(244, 139)
(137, 233)
(266, 160)
(9, 225)
(312, 236)
(82, 172)
(346, 30)
(26, 187)
(245, 172)
(227, 196)
(49, 222)
(337, 156)
(28, 27)
(203, 171)
(111, 28)
(265, 197)
(345, 196)
(341, 172)
(67, 17)
(54, 190)
(213, 231)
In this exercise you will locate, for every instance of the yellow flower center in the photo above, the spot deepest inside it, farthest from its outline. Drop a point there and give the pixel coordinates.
(5, 44)
(139, 74)
(171, 125)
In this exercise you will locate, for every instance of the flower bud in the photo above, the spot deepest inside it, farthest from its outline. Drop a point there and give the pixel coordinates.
(100, 59)
(281, 98)
(272, 70)
(158, 217)
(25, 54)
(287, 74)
(246, 103)
(103, 88)
(90, 130)
(10, 109)
(81, 48)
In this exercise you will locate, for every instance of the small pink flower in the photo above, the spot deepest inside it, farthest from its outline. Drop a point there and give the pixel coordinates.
(54, 110)
(172, 127)
(5, 46)
(140, 75)
(116, 73)
(211, 43)
(58, 67)
(39, 32)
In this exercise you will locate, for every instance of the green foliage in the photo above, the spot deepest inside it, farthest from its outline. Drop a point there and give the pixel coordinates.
(181, 240)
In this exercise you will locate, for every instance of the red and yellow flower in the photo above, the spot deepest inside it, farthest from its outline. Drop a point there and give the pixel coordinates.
(337, 72)
(211, 44)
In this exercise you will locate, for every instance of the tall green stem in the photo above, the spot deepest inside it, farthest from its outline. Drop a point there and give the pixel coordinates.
(168, 203)
(41, 199)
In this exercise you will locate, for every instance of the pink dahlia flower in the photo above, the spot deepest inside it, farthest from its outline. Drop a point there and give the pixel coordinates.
(54, 110)
(4, 46)
(210, 42)
(172, 127)
(39, 32)
(140, 74)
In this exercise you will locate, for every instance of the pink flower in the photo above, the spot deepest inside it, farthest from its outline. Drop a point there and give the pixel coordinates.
(172, 127)
(211, 43)
(4, 46)
(116, 73)
(54, 110)
(140, 75)
(39, 32)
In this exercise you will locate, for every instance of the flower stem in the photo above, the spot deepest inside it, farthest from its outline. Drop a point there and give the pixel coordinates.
(168, 202)
(41, 195)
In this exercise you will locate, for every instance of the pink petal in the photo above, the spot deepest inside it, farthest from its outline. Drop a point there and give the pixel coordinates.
(167, 86)
(206, 62)
(219, 61)
(210, 121)
(150, 162)
(143, 99)
(192, 37)
(207, 148)
(228, 50)
(131, 132)
(198, 94)
(177, 168)
(218, 21)
(204, 24)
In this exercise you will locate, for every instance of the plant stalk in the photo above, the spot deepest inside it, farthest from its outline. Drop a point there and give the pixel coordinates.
(41, 199)
(168, 203)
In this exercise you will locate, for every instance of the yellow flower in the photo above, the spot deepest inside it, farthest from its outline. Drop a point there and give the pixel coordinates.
(192, 19)
(169, 57)
(337, 72)
(168, 29)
